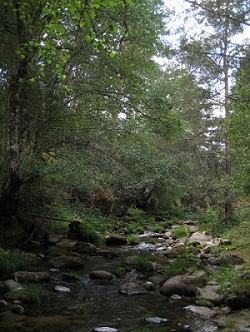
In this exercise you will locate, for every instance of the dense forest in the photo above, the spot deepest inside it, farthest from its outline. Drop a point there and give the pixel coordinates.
(107, 105)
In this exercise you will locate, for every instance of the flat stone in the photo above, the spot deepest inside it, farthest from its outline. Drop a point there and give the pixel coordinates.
(201, 311)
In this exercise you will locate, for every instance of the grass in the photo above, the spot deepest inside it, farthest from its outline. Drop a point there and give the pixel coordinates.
(232, 279)
(36, 292)
(176, 267)
(142, 263)
(133, 239)
(11, 261)
(180, 232)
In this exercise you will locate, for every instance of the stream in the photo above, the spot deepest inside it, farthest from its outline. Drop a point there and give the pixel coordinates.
(93, 303)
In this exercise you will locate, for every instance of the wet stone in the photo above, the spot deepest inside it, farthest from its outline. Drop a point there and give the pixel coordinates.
(17, 309)
(156, 320)
(62, 289)
(105, 329)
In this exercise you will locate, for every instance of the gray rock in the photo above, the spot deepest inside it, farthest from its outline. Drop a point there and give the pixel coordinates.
(34, 277)
(199, 238)
(210, 294)
(201, 311)
(101, 274)
(132, 288)
(183, 284)
(12, 285)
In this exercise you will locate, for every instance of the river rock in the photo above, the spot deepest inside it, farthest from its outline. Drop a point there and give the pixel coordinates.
(209, 293)
(201, 311)
(238, 302)
(21, 295)
(66, 261)
(225, 260)
(3, 305)
(199, 238)
(156, 320)
(52, 238)
(183, 284)
(132, 288)
(66, 243)
(101, 274)
(17, 309)
(12, 285)
(105, 329)
(158, 279)
(116, 240)
(31, 277)
(62, 289)
(82, 247)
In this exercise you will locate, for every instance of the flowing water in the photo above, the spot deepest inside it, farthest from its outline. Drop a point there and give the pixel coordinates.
(95, 303)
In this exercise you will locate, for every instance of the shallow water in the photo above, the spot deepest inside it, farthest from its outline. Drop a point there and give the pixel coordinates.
(93, 303)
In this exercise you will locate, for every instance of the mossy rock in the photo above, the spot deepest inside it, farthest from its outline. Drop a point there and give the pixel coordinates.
(81, 232)
(20, 295)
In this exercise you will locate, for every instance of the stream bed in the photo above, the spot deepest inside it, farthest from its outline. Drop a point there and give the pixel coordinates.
(95, 303)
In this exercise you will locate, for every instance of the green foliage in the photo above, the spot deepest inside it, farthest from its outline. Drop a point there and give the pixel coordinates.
(232, 280)
(133, 240)
(35, 292)
(142, 263)
(178, 266)
(180, 232)
(11, 261)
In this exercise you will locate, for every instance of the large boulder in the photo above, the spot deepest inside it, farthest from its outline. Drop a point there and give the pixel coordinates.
(184, 284)
(65, 261)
